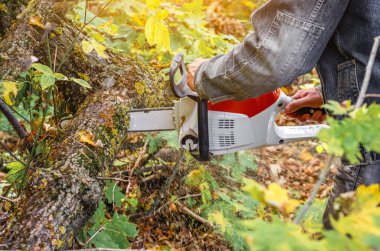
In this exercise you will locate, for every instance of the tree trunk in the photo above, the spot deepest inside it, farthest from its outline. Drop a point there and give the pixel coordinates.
(63, 192)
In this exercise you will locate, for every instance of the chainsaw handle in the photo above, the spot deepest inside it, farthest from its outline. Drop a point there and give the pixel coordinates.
(309, 110)
(204, 151)
(180, 89)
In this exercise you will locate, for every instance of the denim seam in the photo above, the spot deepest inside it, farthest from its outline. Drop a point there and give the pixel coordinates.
(338, 45)
(316, 10)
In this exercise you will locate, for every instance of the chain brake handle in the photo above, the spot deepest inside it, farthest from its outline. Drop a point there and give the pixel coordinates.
(182, 90)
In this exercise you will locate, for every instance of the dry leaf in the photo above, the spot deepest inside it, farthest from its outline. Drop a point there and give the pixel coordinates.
(36, 21)
(87, 137)
(306, 156)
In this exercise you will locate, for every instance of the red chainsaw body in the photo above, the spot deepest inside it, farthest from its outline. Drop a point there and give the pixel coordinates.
(249, 107)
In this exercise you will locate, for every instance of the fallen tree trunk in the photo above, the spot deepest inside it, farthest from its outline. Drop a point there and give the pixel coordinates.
(62, 192)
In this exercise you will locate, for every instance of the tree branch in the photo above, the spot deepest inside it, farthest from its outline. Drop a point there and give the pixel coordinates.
(368, 73)
(13, 120)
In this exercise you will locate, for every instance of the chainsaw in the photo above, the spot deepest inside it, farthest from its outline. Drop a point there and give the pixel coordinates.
(207, 129)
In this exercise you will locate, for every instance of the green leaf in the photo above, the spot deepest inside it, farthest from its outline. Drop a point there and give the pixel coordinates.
(98, 218)
(60, 76)
(42, 68)
(171, 138)
(115, 233)
(113, 193)
(16, 171)
(82, 83)
(46, 81)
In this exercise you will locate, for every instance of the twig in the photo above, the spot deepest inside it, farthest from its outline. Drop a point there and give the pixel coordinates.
(150, 177)
(112, 178)
(10, 153)
(68, 51)
(372, 95)
(93, 236)
(309, 202)
(368, 73)
(6, 199)
(137, 163)
(13, 120)
(190, 213)
(177, 199)
(150, 169)
(113, 194)
(168, 182)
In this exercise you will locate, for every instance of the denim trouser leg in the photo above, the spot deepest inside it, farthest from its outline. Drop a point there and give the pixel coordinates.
(348, 179)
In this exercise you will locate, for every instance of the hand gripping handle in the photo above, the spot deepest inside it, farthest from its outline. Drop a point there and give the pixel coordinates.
(182, 90)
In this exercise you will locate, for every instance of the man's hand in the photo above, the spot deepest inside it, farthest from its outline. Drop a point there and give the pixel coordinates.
(306, 98)
(192, 69)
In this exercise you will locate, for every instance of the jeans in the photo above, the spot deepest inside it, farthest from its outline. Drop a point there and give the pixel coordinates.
(347, 179)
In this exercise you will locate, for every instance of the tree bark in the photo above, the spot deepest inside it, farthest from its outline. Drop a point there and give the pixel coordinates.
(62, 191)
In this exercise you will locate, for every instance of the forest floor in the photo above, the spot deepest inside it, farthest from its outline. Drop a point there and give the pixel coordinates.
(295, 166)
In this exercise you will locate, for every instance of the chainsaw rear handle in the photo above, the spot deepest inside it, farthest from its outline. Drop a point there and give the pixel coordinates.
(182, 90)
(309, 110)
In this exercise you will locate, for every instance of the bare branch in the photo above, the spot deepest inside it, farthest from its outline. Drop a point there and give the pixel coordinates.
(190, 213)
(309, 202)
(13, 120)
(368, 73)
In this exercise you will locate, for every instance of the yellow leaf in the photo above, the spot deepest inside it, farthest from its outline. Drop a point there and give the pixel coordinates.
(10, 88)
(140, 88)
(57, 243)
(254, 189)
(279, 198)
(36, 21)
(218, 219)
(87, 137)
(62, 229)
(161, 14)
(87, 46)
(3, 8)
(156, 31)
(153, 4)
(320, 149)
(100, 49)
(306, 156)
(43, 184)
(361, 222)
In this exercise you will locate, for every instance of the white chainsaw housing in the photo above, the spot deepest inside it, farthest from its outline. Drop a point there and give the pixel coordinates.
(232, 132)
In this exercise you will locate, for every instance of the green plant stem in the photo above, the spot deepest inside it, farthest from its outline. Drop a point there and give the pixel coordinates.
(51, 66)
(34, 146)
(317, 186)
